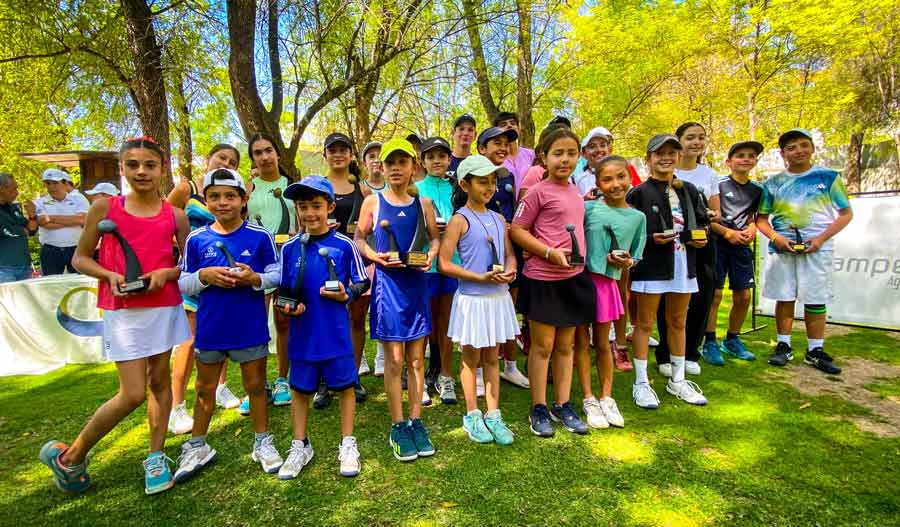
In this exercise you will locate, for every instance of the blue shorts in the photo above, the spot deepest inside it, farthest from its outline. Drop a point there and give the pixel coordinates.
(190, 302)
(14, 274)
(735, 262)
(339, 374)
(439, 284)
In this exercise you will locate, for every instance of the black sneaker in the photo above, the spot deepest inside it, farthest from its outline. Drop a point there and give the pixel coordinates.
(782, 355)
(322, 398)
(817, 358)
(540, 421)
(360, 392)
(566, 415)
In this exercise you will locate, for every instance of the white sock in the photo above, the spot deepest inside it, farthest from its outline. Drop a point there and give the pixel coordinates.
(479, 373)
(815, 343)
(677, 368)
(379, 354)
(510, 365)
(640, 371)
(785, 338)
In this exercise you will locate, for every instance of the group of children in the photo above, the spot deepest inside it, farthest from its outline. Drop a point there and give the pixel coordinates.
(561, 236)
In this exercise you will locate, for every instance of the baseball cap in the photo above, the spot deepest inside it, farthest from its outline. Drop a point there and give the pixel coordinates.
(397, 144)
(596, 132)
(370, 145)
(464, 118)
(657, 142)
(310, 186)
(478, 165)
(560, 119)
(496, 131)
(103, 188)
(503, 116)
(337, 138)
(225, 177)
(435, 142)
(55, 174)
(757, 147)
(414, 138)
(793, 133)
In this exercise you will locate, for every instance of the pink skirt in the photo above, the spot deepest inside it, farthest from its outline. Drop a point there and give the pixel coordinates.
(609, 301)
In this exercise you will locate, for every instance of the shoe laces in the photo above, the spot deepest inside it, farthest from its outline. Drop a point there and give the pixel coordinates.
(644, 390)
(609, 405)
(266, 447)
(690, 386)
(591, 403)
(542, 413)
(348, 450)
(157, 464)
(447, 385)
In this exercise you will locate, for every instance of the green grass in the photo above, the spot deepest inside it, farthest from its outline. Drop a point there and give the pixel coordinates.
(761, 453)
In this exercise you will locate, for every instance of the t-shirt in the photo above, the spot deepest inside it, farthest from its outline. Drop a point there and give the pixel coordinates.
(739, 202)
(13, 236)
(702, 177)
(267, 210)
(231, 318)
(519, 165)
(809, 201)
(322, 332)
(73, 204)
(454, 164)
(629, 226)
(440, 191)
(545, 211)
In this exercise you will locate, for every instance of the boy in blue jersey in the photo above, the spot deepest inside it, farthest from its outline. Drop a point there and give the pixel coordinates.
(319, 342)
(228, 265)
(801, 210)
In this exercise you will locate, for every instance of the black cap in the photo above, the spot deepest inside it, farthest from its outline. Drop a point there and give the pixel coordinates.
(414, 139)
(337, 138)
(503, 116)
(657, 141)
(464, 118)
(496, 131)
(560, 119)
(757, 147)
(435, 142)
(794, 133)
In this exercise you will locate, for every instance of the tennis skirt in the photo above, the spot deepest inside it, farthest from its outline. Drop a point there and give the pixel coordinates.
(559, 303)
(482, 321)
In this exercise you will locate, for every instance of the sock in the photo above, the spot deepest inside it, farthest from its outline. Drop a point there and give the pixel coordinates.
(785, 338)
(259, 438)
(815, 343)
(677, 368)
(197, 441)
(710, 336)
(471, 413)
(640, 371)
(730, 335)
(510, 365)
(348, 440)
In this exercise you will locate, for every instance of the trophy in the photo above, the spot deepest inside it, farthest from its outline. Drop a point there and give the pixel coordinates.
(508, 188)
(393, 253)
(575, 257)
(354, 214)
(614, 248)
(798, 244)
(133, 282)
(694, 234)
(495, 266)
(292, 297)
(332, 223)
(667, 232)
(416, 256)
(332, 284)
(232, 266)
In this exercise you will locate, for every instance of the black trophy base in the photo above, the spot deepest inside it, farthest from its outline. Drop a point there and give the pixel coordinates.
(496, 268)
(134, 286)
(286, 302)
(332, 286)
(234, 270)
(575, 260)
(416, 259)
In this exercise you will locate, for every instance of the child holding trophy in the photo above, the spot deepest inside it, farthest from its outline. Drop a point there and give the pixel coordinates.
(138, 290)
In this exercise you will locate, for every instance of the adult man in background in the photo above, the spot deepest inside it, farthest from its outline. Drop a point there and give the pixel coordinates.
(60, 216)
(15, 227)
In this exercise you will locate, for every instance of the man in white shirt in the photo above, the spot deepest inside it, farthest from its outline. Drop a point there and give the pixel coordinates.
(60, 221)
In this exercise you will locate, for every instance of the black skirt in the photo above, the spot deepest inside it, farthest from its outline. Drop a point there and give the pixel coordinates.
(559, 303)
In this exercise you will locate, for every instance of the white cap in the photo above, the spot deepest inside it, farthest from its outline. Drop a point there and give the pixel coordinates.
(235, 181)
(103, 188)
(55, 174)
(596, 132)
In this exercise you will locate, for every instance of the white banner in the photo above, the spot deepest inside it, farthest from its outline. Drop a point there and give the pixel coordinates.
(866, 267)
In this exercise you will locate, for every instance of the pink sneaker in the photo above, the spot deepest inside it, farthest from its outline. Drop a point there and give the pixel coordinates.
(620, 357)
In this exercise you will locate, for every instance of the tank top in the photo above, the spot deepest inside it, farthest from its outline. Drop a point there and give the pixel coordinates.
(375, 190)
(346, 206)
(151, 239)
(475, 250)
(403, 221)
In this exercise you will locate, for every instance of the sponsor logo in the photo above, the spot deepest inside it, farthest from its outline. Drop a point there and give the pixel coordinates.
(77, 326)
(401, 215)
(210, 252)
(246, 252)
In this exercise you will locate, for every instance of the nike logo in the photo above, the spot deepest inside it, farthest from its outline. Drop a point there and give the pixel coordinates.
(245, 253)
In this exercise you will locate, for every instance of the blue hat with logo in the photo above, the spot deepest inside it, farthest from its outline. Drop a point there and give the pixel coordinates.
(310, 186)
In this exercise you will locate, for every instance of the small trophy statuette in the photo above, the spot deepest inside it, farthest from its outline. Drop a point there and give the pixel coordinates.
(133, 282)
(332, 284)
(575, 257)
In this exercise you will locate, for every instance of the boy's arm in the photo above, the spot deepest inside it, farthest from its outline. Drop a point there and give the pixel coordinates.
(271, 275)
(843, 219)
(780, 242)
(445, 260)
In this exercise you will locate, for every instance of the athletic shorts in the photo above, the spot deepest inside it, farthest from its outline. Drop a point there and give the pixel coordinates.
(804, 278)
(439, 284)
(240, 355)
(339, 374)
(736, 263)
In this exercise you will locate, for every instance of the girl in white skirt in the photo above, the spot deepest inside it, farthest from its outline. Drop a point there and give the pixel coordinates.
(482, 316)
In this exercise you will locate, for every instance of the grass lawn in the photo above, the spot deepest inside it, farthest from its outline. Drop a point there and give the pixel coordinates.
(774, 447)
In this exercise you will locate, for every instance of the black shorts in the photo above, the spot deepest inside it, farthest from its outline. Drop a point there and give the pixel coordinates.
(735, 262)
(560, 303)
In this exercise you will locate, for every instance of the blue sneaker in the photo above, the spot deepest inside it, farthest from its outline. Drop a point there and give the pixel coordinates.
(502, 434)
(540, 421)
(68, 479)
(424, 447)
(566, 414)
(711, 354)
(282, 393)
(473, 424)
(244, 408)
(157, 474)
(735, 347)
(401, 442)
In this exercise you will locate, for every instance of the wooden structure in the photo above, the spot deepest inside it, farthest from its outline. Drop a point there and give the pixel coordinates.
(94, 166)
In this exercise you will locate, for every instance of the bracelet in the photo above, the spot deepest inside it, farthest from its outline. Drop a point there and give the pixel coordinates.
(547, 254)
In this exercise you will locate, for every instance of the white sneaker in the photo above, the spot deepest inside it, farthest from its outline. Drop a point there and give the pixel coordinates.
(225, 398)
(446, 389)
(691, 367)
(298, 457)
(426, 399)
(427, 353)
(665, 369)
(611, 412)
(629, 333)
(363, 367)
(479, 382)
(192, 459)
(267, 455)
(687, 391)
(348, 455)
(379, 359)
(644, 396)
(612, 333)
(180, 421)
(512, 375)
(595, 417)
(652, 342)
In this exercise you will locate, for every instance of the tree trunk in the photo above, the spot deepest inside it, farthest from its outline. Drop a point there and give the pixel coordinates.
(147, 84)
(478, 62)
(524, 93)
(752, 118)
(853, 170)
(183, 129)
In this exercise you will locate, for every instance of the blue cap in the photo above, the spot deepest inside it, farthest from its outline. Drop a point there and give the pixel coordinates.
(310, 186)
(496, 131)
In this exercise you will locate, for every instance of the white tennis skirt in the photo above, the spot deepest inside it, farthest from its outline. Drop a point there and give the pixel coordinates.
(482, 321)
(138, 333)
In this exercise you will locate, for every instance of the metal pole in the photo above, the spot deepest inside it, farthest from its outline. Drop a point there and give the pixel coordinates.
(753, 326)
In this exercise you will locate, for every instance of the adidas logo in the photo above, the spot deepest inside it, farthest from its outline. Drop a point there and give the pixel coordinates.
(246, 252)
(729, 194)
(820, 186)
(401, 215)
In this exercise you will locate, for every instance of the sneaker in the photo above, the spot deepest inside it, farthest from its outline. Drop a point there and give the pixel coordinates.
(363, 367)
(594, 414)
(687, 391)
(281, 396)
(540, 421)
(652, 342)
(244, 408)
(431, 379)
(817, 358)
(611, 412)
(644, 396)
(265, 453)
(512, 375)
(665, 369)
(711, 353)
(479, 382)
(419, 435)
(67, 479)
(322, 399)
(193, 459)
(782, 355)
(473, 424)
(401, 441)
(180, 421)
(494, 423)
(379, 360)
(157, 474)
(620, 357)
(426, 398)
(446, 389)
(348, 455)
(299, 456)
(735, 347)
(691, 367)
(566, 415)
(225, 398)
(360, 393)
